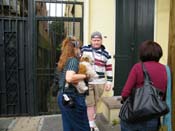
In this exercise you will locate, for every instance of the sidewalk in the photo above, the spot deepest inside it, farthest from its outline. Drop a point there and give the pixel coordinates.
(38, 123)
(45, 123)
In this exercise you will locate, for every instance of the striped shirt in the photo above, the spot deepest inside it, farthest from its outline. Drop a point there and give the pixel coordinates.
(102, 63)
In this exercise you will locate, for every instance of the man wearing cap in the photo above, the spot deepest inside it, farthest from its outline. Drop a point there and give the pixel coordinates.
(103, 66)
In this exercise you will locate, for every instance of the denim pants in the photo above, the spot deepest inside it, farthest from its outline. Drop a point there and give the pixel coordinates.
(74, 119)
(151, 125)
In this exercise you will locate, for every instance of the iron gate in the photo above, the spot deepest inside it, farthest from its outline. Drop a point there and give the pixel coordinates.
(30, 37)
(14, 99)
(54, 20)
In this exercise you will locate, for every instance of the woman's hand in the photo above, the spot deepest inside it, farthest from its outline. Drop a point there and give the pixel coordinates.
(72, 77)
(123, 99)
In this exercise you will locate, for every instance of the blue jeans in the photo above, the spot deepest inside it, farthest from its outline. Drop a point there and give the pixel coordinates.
(151, 125)
(74, 119)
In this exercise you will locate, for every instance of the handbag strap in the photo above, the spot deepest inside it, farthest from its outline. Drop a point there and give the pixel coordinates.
(66, 85)
(146, 74)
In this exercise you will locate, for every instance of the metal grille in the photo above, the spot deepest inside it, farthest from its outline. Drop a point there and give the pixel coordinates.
(13, 92)
(11, 66)
(30, 35)
(14, 89)
(9, 8)
(54, 21)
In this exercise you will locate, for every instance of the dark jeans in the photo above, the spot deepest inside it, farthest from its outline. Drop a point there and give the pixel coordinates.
(74, 119)
(151, 125)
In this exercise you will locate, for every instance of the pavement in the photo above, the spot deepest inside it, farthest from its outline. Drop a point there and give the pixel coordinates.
(46, 123)
(32, 123)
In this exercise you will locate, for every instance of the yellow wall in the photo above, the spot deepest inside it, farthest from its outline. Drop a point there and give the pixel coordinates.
(99, 15)
(102, 18)
(162, 9)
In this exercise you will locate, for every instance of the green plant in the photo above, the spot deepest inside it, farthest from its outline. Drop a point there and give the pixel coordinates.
(115, 122)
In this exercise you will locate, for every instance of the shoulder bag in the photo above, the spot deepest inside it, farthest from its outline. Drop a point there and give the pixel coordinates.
(144, 103)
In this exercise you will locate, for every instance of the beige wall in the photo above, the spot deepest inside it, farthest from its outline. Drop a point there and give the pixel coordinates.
(100, 16)
(162, 9)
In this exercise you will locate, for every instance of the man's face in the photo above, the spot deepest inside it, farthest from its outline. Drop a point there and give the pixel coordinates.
(96, 42)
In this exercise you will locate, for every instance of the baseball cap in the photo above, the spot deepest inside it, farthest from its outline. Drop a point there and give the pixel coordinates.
(96, 34)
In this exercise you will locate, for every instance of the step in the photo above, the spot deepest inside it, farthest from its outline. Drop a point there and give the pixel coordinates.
(110, 108)
(104, 125)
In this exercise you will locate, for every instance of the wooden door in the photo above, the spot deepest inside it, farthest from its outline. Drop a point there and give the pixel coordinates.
(134, 24)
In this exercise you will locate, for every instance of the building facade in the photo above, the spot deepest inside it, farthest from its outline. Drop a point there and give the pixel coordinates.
(31, 33)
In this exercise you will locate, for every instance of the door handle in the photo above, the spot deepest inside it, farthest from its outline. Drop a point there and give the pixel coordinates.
(132, 46)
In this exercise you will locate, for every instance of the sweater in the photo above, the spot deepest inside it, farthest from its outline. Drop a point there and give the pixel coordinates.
(156, 71)
(101, 64)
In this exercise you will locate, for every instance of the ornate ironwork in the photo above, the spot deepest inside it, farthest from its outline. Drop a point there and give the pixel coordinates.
(30, 37)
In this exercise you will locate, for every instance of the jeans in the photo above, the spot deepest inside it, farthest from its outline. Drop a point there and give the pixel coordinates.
(151, 125)
(74, 119)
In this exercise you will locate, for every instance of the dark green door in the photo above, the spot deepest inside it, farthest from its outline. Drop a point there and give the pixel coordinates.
(134, 24)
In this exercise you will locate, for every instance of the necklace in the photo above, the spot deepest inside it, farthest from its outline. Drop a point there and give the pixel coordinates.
(97, 55)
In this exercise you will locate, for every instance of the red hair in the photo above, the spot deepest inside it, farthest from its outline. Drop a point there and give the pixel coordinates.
(67, 51)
